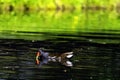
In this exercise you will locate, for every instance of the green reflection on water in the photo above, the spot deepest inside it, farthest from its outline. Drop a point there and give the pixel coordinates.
(92, 25)
(61, 22)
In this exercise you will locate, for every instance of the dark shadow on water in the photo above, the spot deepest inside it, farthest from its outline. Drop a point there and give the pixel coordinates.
(91, 61)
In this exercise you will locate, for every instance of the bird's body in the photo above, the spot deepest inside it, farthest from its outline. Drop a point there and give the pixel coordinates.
(45, 57)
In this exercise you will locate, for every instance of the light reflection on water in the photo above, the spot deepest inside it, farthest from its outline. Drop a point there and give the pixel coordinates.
(91, 61)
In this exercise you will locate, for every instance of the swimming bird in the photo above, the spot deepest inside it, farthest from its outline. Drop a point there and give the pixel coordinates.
(43, 57)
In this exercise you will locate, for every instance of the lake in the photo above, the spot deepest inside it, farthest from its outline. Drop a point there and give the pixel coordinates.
(92, 36)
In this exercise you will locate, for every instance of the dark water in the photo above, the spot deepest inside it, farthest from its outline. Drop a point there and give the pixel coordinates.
(91, 61)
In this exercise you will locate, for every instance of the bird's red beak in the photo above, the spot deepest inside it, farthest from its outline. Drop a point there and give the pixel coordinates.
(37, 56)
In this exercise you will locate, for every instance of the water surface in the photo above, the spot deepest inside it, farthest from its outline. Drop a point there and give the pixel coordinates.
(91, 61)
